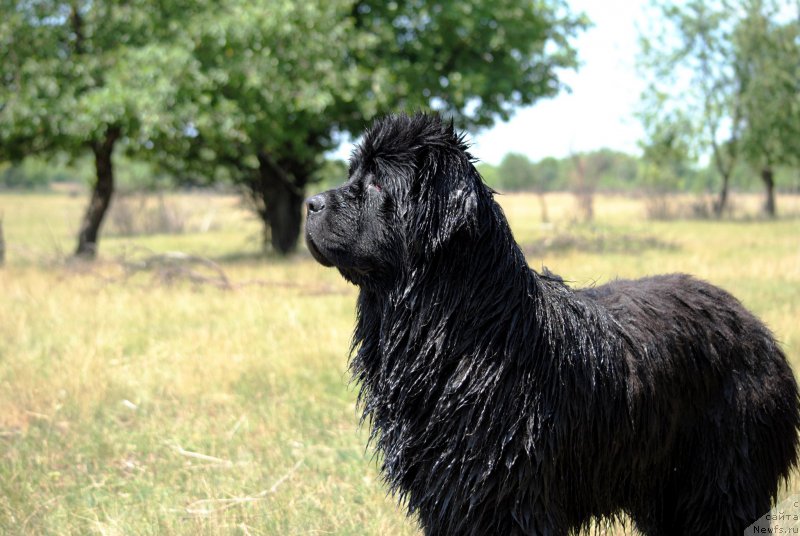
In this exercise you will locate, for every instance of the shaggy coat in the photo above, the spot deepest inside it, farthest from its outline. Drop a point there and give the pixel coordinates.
(505, 402)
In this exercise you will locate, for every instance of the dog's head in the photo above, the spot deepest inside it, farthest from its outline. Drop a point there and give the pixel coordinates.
(412, 189)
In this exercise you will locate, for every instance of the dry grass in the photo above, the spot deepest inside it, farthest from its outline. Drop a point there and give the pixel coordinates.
(135, 403)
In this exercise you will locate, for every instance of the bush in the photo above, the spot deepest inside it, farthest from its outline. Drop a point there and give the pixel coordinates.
(136, 214)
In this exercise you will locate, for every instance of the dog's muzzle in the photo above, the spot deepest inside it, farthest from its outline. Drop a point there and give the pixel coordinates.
(315, 205)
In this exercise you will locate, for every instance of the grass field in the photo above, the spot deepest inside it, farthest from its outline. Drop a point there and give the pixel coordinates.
(149, 395)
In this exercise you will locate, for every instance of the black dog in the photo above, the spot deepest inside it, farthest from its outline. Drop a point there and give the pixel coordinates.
(505, 402)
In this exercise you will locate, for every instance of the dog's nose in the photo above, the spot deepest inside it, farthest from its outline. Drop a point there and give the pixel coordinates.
(315, 203)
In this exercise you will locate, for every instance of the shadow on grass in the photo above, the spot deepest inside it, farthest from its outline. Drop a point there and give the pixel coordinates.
(596, 240)
(256, 257)
(250, 257)
(144, 267)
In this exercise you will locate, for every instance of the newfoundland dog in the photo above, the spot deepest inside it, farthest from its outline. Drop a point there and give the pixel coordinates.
(505, 402)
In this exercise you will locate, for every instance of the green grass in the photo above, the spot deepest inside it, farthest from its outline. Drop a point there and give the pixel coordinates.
(139, 404)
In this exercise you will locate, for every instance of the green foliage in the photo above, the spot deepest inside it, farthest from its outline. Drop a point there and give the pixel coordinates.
(490, 175)
(476, 60)
(36, 172)
(331, 174)
(69, 71)
(612, 170)
(517, 173)
(608, 170)
(723, 79)
(258, 91)
(666, 159)
(79, 76)
(768, 65)
(29, 175)
(550, 174)
(264, 77)
(274, 85)
(692, 104)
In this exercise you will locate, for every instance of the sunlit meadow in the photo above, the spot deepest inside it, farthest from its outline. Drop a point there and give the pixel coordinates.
(186, 384)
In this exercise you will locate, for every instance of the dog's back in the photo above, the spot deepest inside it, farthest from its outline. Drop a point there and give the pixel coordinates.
(716, 376)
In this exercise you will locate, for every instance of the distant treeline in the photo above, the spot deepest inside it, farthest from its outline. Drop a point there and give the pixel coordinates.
(37, 173)
(613, 171)
(605, 170)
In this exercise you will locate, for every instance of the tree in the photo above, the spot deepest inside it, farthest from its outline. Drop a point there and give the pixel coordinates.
(694, 92)
(548, 171)
(729, 70)
(83, 76)
(258, 107)
(279, 83)
(490, 175)
(2, 243)
(587, 171)
(666, 157)
(517, 172)
(768, 65)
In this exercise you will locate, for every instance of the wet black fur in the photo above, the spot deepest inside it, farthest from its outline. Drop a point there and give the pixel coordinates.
(505, 402)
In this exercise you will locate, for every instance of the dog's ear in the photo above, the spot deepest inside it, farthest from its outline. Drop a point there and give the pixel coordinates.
(448, 202)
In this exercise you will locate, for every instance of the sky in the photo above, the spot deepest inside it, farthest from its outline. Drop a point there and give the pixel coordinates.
(597, 113)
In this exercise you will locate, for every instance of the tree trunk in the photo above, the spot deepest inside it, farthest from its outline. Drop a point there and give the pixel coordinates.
(2, 243)
(279, 192)
(583, 190)
(769, 183)
(101, 195)
(543, 206)
(284, 211)
(722, 200)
